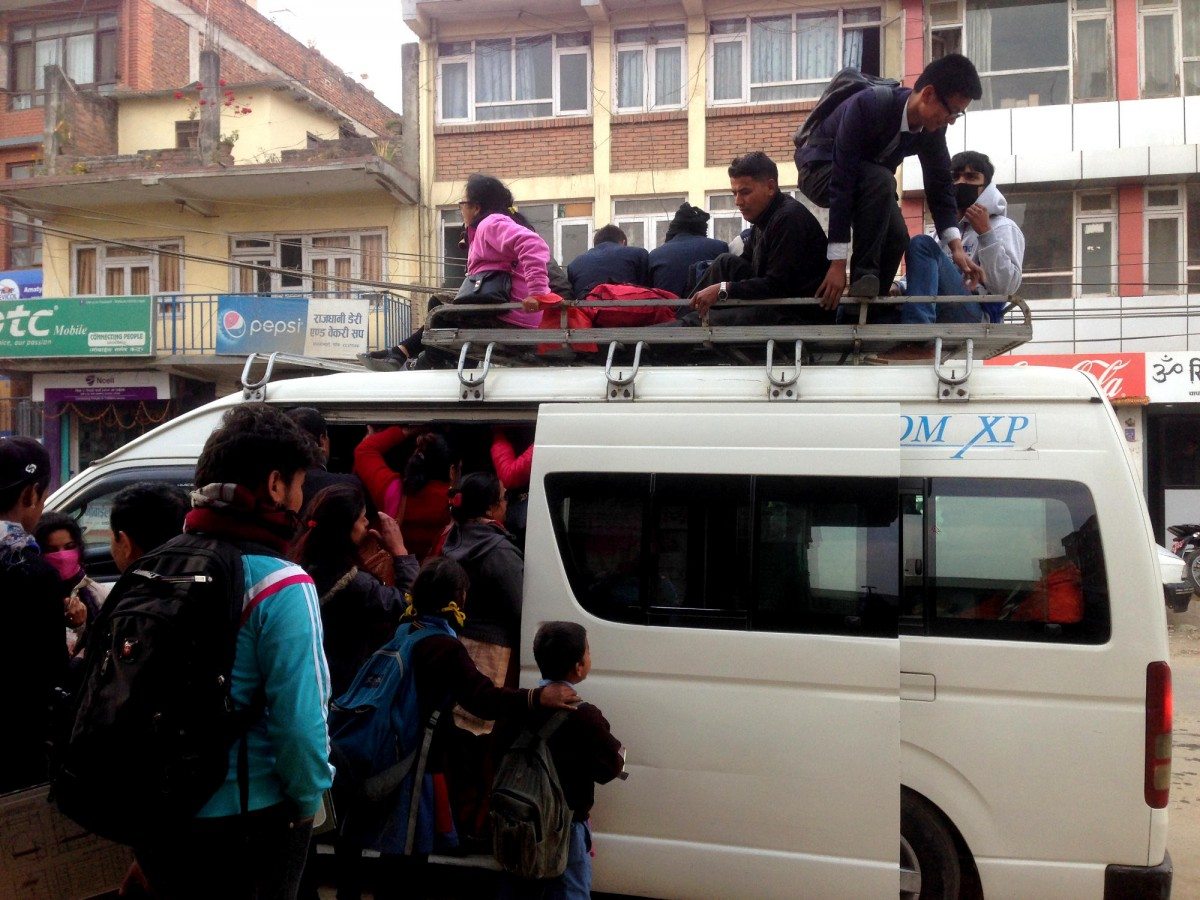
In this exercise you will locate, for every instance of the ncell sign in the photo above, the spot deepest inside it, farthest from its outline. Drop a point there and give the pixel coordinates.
(76, 326)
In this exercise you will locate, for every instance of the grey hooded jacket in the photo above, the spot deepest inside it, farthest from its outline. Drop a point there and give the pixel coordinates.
(1000, 252)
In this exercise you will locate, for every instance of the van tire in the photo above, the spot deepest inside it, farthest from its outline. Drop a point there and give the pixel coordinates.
(929, 865)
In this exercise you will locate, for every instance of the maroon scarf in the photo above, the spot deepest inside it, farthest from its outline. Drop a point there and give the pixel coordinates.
(232, 512)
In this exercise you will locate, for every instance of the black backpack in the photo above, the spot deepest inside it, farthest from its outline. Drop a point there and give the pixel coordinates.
(153, 719)
(844, 85)
(531, 822)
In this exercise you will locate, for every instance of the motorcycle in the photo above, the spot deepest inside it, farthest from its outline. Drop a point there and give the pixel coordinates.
(1185, 543)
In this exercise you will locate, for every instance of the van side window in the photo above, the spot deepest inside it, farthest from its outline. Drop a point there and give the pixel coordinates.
(1018, 559)
(816, 555)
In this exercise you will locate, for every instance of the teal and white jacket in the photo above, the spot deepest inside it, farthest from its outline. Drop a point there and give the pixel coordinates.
(279, 650)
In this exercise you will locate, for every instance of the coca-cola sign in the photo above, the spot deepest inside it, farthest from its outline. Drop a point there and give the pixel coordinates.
(1120, 374)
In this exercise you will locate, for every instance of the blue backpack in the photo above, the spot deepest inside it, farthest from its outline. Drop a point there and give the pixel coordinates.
(378, 745)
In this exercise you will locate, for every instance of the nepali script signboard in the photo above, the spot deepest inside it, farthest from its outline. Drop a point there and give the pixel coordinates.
(306, 326)
(76, 326)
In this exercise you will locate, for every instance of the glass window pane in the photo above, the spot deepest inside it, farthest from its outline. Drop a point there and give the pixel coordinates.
(573, 82)
(1191, 78)
(1162, 197)
(454, 91)
(665, 206)
(114, 282)
(575, 237)
(635, 233)
(541, 217)
(726, 228)
(817, 46)
(168, 273)
(727, 70)
(631, 35)
(534, 68)
(660, 232)
(108, 57)
(46, 53)
(1017, 34)
(1162, 256)
(454, 256)
(1101, 202)
(1160, 78)
(1048, 214)
(1193, 224)
(81, 58)
(860, 47)
(493, 71)
(23, 67)
(1095, 257)
(1190, 16)
(728, 26)
(945, 41)
(944, 12)
(631, 69)
(291, 256)
(578, 39)
(668, 76)
(372, 257)
(517, 111)
(1093, 79)
(139, 280)
(861, 16)
(1026, 89)
(771, 49)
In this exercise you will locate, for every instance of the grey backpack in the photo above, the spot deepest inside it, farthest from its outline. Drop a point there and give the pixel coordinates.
(531, 822)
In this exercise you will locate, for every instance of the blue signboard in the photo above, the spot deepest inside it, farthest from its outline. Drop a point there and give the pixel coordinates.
(261, 324)
(20, 284)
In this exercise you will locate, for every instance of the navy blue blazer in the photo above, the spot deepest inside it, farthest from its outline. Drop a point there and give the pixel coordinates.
(609, 263)
(671, 263)
(858, 132)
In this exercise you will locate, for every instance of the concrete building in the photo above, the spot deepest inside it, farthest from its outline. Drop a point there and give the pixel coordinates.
(206, 186)
(614, 110)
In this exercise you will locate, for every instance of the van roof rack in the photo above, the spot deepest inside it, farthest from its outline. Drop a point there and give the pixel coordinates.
(257, 390)
(452, 326)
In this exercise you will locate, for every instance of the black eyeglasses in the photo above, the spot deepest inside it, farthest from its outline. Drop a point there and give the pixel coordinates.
(954, 116)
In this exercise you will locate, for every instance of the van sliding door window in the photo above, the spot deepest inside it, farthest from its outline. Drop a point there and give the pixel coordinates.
(1015, 559)
(817, 555)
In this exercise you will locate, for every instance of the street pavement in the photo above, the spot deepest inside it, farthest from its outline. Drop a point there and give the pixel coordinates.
(1184, 836)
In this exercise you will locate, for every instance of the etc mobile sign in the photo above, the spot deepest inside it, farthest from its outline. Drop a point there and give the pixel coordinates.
(76, 326)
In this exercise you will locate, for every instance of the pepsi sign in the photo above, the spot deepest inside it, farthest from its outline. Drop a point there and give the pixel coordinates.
(247, 324)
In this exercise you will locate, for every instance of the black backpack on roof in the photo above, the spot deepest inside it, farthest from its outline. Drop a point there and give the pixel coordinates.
(844, 85)
(153, 721)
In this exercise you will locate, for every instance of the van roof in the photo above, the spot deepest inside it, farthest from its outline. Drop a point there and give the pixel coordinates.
(514, 393)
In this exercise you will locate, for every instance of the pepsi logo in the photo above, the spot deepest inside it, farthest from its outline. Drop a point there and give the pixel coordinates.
(233, 324)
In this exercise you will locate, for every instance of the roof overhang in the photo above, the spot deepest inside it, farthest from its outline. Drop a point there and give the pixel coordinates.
(272, 181)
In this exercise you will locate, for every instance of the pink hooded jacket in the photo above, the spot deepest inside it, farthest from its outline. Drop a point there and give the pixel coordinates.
(499, 244)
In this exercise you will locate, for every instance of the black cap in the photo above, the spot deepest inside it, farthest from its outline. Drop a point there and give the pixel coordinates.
(22, 461)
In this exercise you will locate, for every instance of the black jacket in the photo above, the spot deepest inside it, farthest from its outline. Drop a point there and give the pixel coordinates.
(496, 568)
(318, 478)
(609, 263)
(33, 664)
(786, 252)
(671, 263)
(858, 132)
(359, 617)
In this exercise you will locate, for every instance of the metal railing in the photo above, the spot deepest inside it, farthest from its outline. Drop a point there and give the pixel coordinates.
(187, 324)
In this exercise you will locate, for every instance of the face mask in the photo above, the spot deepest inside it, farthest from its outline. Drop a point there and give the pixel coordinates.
(966, 194)
(65, 563)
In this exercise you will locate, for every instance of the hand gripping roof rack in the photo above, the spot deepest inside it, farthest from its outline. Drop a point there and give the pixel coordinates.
(453, 329)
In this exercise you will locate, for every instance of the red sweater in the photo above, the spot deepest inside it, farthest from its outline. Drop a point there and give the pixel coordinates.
(426, 512)
(512, 470)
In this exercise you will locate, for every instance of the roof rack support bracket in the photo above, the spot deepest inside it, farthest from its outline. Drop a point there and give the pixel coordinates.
(256, 390)
(952, 387)
(785, 387)
(620, 386)
(471, 386)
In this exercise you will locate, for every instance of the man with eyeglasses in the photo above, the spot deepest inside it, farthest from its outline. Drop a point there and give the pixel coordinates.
(849, 165)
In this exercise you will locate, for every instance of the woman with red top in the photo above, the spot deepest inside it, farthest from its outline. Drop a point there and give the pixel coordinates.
(418, 498)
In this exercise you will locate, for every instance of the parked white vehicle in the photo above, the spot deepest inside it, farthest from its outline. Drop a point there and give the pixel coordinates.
(827, 625)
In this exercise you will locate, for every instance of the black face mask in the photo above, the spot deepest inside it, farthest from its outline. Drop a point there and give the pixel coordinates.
(966, 194)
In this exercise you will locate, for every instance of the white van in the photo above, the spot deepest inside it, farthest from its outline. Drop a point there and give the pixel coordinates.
(825, 624)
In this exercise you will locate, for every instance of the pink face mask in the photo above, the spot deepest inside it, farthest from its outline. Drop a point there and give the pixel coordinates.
(65, 562)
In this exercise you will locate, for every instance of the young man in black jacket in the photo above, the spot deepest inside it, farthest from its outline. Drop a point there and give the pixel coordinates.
(849, 166)
(34, 662)
(784, 257)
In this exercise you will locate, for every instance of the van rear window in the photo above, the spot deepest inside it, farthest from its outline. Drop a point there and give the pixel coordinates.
(815, 555)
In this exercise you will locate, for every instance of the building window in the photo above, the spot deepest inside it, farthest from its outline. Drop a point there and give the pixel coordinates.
(645, 220)
(1048, 269)
(1170, 33)
(727, 222)
(1023, 50)
(1164, 236)
(514, 78)
(650, 67)
(109, 270)
(317, 263)
(85, 46)
(788, 57)
(187, 134)
(945, 28)
(24, 236)
(1096, 243)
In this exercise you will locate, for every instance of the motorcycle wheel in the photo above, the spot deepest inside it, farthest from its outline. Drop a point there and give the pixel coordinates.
(1192, 570)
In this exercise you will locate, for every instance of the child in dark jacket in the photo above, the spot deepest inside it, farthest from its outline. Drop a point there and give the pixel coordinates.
(585, 754)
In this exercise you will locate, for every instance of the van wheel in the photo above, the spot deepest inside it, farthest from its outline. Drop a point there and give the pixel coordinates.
(929, 867)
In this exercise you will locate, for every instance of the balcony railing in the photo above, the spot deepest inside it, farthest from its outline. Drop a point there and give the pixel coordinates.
(187, 323)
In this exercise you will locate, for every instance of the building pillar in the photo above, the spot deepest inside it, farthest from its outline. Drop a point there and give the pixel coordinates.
(914, 40)
(602, 80)
(1131, 207)
(210, 106)
(1125, 34)
(696, 87)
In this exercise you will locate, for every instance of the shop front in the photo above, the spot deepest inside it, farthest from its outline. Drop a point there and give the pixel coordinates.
(1173, 439)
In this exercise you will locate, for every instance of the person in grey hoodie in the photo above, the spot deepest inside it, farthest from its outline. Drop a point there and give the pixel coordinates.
(990, 239)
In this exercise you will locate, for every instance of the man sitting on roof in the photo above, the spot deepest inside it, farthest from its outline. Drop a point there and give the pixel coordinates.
(784, 256)
(610, 261)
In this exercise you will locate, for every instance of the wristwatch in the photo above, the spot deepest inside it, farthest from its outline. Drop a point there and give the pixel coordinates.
(723, 291)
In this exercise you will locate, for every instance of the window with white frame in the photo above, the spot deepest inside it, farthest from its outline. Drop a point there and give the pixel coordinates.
(136, 269)
(1170, 41)
(650, 67)
(85, 47)
(761, 59)
(1096, 243)
(645, 219)
(1164, 237)
(514, 78)
(565, 227)
(318, 263)
(1193, 238)
(1029, 52)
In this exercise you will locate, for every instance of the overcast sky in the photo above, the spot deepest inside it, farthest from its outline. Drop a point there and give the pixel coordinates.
(363, 37)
